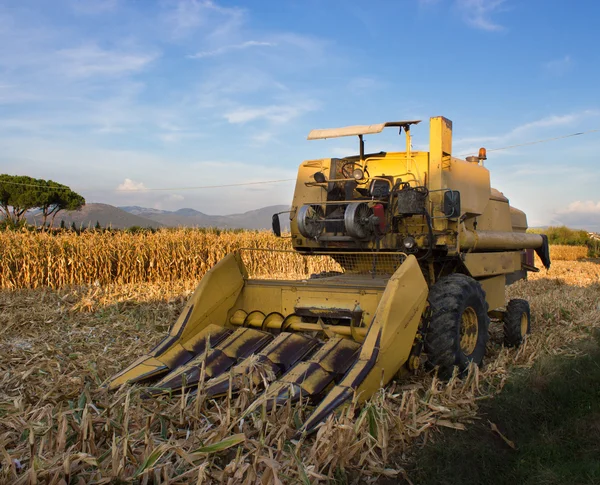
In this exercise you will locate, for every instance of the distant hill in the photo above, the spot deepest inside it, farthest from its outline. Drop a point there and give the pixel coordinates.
(124, 217)
(255, 219)
(106, 215)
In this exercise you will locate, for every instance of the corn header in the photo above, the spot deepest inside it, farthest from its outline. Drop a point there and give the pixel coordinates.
(399, 258)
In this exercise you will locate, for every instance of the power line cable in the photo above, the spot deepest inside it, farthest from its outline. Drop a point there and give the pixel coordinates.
(263, 182)
(145, 189)
(534, 142)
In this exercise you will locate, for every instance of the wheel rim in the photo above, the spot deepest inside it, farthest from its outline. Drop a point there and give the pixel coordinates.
(469, 331)
(524, 324)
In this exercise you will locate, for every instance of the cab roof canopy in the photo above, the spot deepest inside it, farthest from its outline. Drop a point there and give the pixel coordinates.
(358, 130)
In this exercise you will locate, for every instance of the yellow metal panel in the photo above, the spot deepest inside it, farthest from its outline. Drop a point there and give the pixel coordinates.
(490, 264)
(473, 183)
(518, 220)
(144, 366)
(494, 291)
(388, 342)
(440, 136)
(216, 293)
(496, 217)
(395, 325)
(283, 297)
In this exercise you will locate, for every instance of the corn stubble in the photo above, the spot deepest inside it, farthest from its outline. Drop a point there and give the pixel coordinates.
(58, 345)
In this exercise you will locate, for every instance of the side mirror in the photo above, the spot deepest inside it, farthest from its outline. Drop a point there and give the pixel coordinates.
(276, 225)
(452, 204)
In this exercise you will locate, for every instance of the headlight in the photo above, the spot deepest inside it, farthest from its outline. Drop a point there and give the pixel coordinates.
(358, 174)
(319, 177)
(409, 242)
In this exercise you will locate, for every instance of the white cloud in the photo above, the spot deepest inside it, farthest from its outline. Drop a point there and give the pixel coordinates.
(130, 185)
(477, 13)
(579, 206)
(90, 60)
(229, 48)
(579, 215)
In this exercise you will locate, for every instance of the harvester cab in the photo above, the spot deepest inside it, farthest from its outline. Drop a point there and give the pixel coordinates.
(399, 258)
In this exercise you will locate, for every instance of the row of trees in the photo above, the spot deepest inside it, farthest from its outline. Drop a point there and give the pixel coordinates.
(19, 194)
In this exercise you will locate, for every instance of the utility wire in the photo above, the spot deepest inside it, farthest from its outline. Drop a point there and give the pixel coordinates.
(145, 189)
(263, 182)
(534, 142)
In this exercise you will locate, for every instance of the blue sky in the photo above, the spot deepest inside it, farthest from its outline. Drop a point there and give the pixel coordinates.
(107, 95)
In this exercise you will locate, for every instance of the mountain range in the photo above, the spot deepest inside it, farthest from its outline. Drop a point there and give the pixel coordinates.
(128, 216)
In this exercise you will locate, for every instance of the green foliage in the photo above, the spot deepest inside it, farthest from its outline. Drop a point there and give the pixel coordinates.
(594, 247)
(20, 193)
(563, 235)
(56, 197)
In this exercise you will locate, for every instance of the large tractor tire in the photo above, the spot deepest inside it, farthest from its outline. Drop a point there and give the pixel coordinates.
(459, 327)
(517, 322)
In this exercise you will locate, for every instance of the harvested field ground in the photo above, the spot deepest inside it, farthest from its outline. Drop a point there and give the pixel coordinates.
(561, 252)
(58, 426)
(544, 428)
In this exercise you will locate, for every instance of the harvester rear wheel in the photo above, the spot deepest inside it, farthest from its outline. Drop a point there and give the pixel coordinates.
(458, 329)
(517, 322)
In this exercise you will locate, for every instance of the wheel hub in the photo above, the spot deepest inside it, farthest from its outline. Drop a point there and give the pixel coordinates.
(524, 322)
(469, 331)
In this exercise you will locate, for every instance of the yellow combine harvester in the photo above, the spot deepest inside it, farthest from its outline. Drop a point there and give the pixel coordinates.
(409, 252)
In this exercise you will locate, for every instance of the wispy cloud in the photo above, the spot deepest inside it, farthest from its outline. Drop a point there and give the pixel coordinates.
(275, 113)
(121, 96)
(537, 129)
(478, 13)
(90, 60)
(559, 67)
(229, 48)
(364, 83)
(190, 15)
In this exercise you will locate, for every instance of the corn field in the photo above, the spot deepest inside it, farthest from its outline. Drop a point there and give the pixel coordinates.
(39, 259)
(33, 260)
